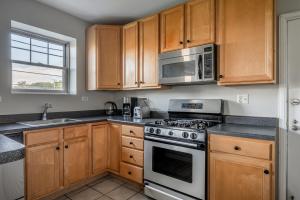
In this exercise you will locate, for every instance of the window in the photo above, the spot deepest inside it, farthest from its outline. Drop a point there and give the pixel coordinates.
(39, 64)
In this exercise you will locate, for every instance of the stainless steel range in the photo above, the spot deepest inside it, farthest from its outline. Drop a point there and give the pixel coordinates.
(175, 150)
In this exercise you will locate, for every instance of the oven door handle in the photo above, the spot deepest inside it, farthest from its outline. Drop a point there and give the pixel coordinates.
(172, 142)
(162, 192)
(200, 67)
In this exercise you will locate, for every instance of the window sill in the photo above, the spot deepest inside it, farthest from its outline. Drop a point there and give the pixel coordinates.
(41, 92)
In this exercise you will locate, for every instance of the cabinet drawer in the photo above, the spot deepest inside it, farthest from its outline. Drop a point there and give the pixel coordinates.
(42, 136)
(76, 131)
(132, 172)
(242, 146)
(133, 142)
(132, 156)
(133, 131)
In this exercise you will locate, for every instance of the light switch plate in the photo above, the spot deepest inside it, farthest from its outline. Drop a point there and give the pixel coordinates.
(84, 98)
(243, 98)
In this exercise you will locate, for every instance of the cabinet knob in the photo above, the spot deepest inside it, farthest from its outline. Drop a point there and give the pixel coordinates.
(129, 173)
(142, 82)
(188, 41)
(267, 171)
(131, 131)
(131, 143)
(237, 148)
(131, 156)
(66, 146)
(57, 148)
(221, 76)
(118, 83)
(180, 42)
(136, 82)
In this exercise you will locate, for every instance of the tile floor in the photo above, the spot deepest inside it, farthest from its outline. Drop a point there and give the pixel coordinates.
(107, 188)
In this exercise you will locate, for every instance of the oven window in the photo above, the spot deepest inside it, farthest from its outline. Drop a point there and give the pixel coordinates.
(181, 69)
(171, 163)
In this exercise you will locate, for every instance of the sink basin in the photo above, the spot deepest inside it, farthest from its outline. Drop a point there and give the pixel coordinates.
(49, 122)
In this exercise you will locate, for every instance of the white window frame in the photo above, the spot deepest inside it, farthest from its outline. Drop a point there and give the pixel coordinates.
(65, 68)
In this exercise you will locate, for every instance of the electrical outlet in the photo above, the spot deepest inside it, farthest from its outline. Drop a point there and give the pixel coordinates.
(243, 98)
(84, 99)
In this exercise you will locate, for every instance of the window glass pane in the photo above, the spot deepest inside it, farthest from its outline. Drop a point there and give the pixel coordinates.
(20, 55)
(39, 58)
(20, 38)
(39, 43)
(56, 61)
(37, 78)
(39, 49)
(21, 45)
(56, 52)
(56, 46)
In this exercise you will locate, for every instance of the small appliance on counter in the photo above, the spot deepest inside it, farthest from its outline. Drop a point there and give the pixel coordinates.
(129, 103)
(141, 111)
(111, 108)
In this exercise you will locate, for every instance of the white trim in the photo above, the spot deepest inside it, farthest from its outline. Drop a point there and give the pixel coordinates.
(283, 101)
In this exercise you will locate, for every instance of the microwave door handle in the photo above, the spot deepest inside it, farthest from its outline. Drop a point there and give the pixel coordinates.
(200, 68)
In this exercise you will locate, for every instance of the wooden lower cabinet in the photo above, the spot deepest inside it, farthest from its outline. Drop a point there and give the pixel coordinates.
(76, 160)
(114, 148)
(99, 148)
(42, 170)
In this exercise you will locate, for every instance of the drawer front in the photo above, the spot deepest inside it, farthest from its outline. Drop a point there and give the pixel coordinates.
(242, 146)
(133, 131)
(132, 156)
(132, 172)
(42, 136)
(76, 131)
(133, 143)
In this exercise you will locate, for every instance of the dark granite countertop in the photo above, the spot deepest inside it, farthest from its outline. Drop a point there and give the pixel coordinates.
(10, 150)
(246, 131)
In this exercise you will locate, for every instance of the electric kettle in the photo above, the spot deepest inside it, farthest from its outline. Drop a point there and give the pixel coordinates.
(110, 108)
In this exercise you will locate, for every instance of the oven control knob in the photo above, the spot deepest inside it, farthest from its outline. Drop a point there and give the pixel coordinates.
(194, 136)
(158, 131)
(185, 134)
(151, 130)
(171, 133)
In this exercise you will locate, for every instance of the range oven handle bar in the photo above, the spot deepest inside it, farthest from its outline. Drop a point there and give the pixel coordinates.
(162, 192)
(191, 145)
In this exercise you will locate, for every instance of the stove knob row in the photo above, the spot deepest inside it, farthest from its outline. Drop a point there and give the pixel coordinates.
(151, 130)
(194, 136)
(158, 131)
(185, 134)
(171, 133)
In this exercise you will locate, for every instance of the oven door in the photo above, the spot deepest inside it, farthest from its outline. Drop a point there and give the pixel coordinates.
(180, 70)
(176, 167)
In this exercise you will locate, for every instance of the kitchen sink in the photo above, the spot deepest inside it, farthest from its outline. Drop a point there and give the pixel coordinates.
(49, 122)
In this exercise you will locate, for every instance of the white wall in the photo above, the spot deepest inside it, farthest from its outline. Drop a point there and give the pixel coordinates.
(35, 14)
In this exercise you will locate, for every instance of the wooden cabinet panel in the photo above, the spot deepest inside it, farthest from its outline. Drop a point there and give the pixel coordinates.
(42, 136)
(172, 29)
(236, 177)
(43, 170)
(149, 50)
(133, 143)
(114, 147)
(200, 22)
(133, 131)
(104, 57)
(99, 148)
(76, 131)
(245, 34)
(242, 146)
(130, 55)
(132, 172)
(76, 160)
(132, 156)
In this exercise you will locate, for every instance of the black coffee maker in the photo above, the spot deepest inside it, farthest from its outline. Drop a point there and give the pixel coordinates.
(128, 106)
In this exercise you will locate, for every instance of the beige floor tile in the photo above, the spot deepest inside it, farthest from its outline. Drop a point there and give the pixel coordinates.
(139, 196)
(133, 186)
(72, 193)
(60, 198)
(121, 193)
(117, 180)
(104, 198)
(99, 180)
(88, 194)
(106, 186)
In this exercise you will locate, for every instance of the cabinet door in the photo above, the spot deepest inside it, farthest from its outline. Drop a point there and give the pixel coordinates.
(236, 177)
(103, 57)
(130, 55)
(172, 29)
(149, 44)
(200, 22)
(76, 160)
(43, 170)
(99, 148)
(109, 57)
(114, 147)
(245, 33)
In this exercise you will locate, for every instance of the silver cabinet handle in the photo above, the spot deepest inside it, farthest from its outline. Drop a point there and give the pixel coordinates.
(295, 128)
(295, 102)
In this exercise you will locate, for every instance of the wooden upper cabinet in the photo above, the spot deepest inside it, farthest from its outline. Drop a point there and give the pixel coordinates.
(104, 57)
(99, 148)
(42, 170)
(114, 148)
(130, 55)
(149, 50)
(200, 22)
(245, 34)
(76, 160)
(172, 29)
(236, 177)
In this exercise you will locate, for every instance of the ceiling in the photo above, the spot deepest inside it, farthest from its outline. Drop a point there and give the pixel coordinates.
(110, 11)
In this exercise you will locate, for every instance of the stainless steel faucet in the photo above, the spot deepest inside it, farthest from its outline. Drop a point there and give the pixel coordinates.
(46, 107)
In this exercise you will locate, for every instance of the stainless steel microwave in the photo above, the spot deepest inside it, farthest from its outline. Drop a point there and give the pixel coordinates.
(195, 65)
